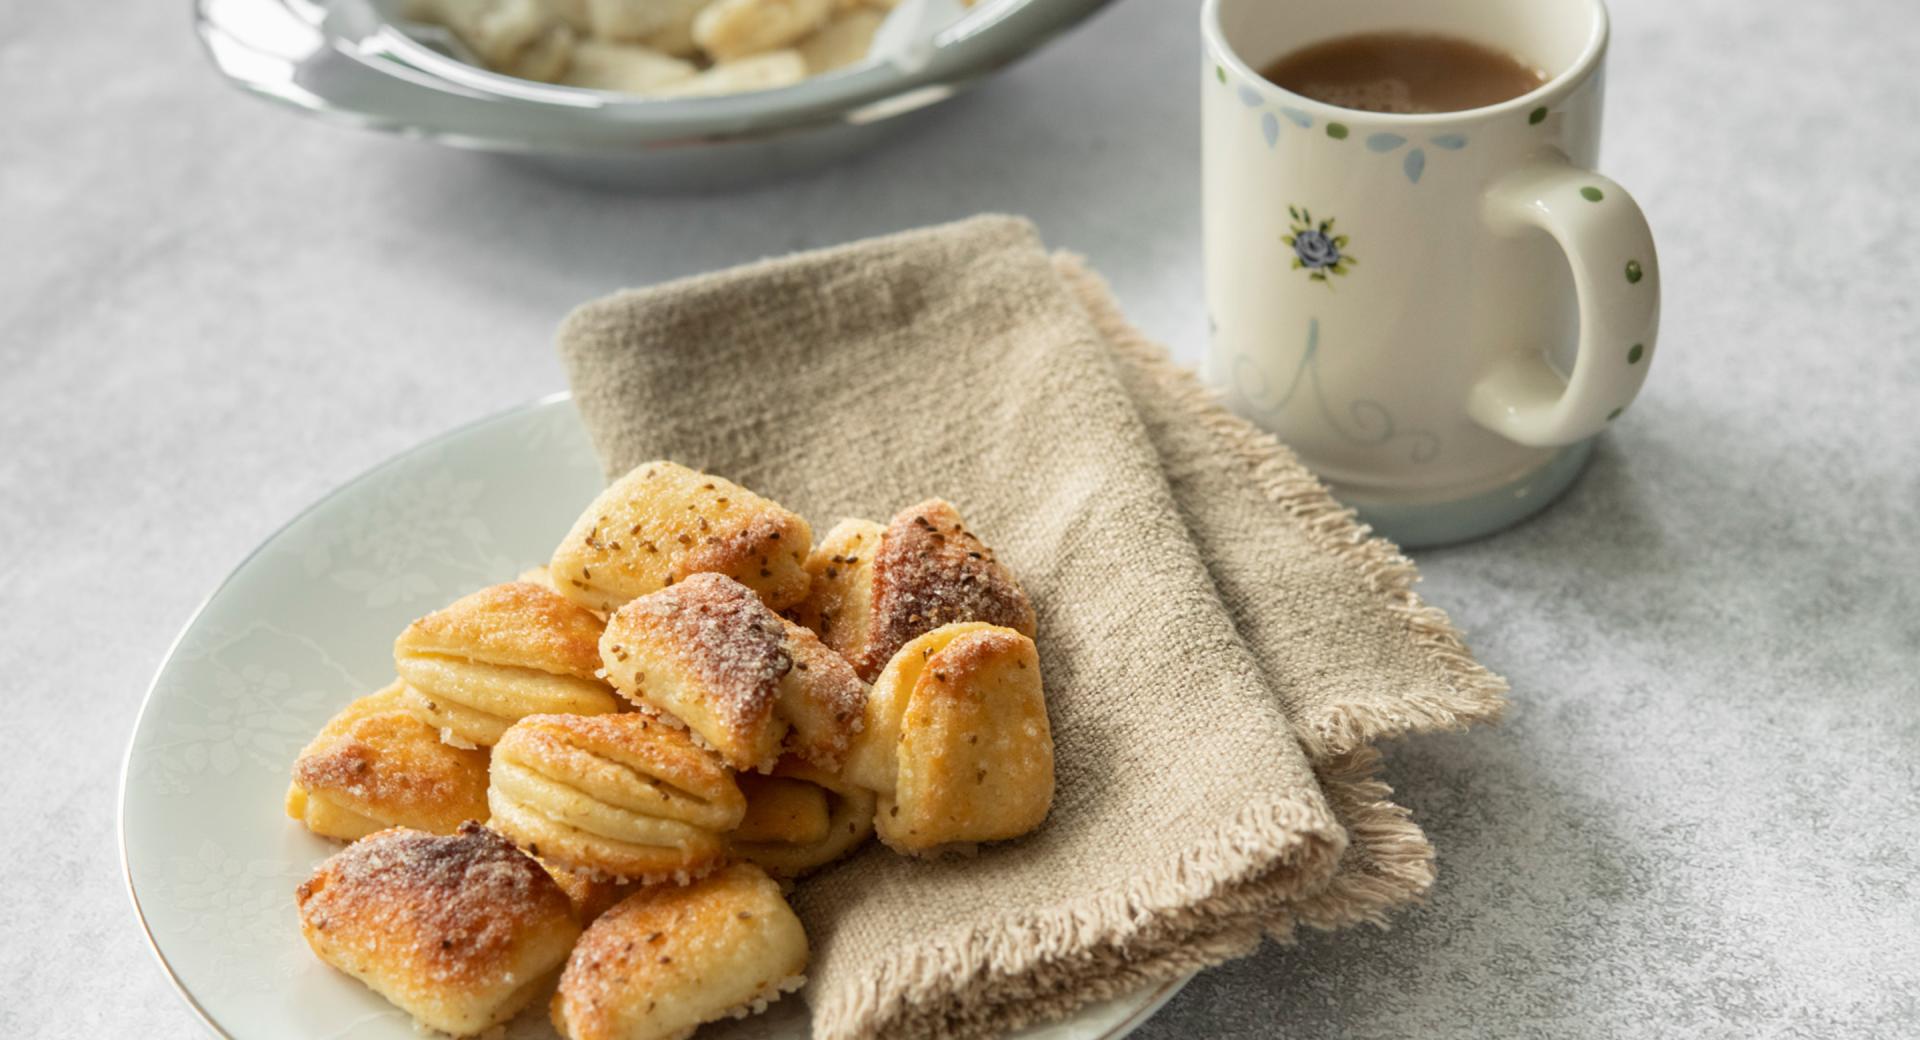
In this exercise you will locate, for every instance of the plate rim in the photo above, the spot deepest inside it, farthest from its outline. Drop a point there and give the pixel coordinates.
(1157, 999)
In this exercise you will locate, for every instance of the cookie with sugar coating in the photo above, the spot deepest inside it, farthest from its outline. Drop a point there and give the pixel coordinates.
(460, 931)
(375, 766)
(875, 588)
(668, 959)
(663, 522)
(501, 654)
(957, 741)
(615, 797)
(709, 655)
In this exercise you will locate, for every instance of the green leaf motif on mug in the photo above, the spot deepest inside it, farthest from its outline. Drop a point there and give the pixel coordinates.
(1639, 351)
(1337, 131)
(1537, 116)
(1633, 272)
(1220, 73)
(1591, 193)
(1615, 414)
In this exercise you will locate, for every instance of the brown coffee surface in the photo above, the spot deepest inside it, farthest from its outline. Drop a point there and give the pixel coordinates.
(1404, 72)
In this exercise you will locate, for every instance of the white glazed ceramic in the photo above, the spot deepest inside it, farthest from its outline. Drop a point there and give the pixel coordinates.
(1437, 312)
(303, 626)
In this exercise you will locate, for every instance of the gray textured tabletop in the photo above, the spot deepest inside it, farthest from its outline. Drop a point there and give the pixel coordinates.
(1703, 818)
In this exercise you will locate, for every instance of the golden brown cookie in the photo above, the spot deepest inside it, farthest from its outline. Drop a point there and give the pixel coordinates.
(501, 654)
(669, 958)
(874, 588)
(460, 931)
(800, 818)
(590, 896)
(957, 741)
(375, 766)
(663, 522)
(619, 797)
(709, 654)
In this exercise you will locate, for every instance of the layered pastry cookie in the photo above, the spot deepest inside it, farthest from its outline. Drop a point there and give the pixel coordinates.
(460, 931)
(498, 655)
(663, 522)
(668, 958)
(873, 589)
(616, 797)
(709, 654)
(375, 766)
(800, 818)
(956, 740)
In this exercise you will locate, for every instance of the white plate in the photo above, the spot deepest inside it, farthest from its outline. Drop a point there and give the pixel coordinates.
(303, 626)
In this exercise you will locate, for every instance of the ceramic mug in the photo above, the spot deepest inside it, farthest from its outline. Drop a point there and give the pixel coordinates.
(1437, 312)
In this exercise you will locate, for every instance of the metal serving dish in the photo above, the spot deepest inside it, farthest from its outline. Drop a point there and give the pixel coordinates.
(345, 61)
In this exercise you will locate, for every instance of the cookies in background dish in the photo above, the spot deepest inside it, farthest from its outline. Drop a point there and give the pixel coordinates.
(624, 67)
(956, 740)
(650, 22)
(460, 931)
(733, 29)
(523, 38)
(508, 651)
(668, 959)
(663, 522)
(662, 48)
(757, 72)
(875, 588)
(800, 818)
(616, 797)
(710, 655)
(375, 766)
(842, 41)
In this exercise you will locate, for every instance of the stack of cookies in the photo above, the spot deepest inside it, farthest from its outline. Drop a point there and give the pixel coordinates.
(610, 768)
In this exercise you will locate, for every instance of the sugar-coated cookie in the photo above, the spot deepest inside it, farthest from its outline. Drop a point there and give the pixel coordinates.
(500, 654)
(460, 931)
(663, 522)
(617, 797)
(669, 958)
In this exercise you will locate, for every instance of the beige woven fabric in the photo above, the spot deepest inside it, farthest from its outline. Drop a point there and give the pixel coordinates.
(1200, 600)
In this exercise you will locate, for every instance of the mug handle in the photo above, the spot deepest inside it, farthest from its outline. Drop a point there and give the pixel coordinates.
(1616, 277)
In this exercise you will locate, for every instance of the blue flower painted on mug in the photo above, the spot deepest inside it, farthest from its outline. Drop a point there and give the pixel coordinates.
(1317, 247)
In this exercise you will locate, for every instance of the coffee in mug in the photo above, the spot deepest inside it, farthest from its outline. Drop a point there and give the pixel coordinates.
(1404, 72)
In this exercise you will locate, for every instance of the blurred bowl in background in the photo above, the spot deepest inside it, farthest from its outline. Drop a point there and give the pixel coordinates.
(349, 62)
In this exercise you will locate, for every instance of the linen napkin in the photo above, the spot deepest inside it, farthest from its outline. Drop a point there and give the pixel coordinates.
(1219, 641)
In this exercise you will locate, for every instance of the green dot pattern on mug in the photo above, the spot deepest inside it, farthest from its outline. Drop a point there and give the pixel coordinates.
(1537, 116)
(1639, 351)
(1591, 193)
(1615, 414)
(1337, 131)
(1220, 73)
(1633, 272)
